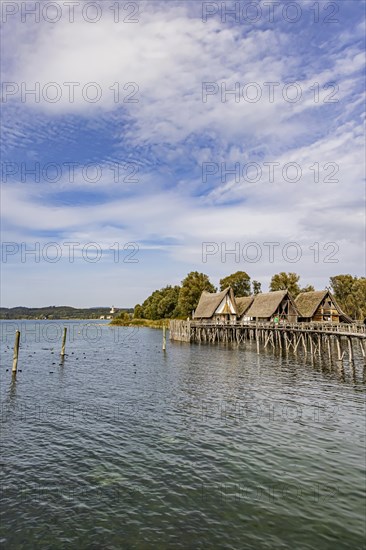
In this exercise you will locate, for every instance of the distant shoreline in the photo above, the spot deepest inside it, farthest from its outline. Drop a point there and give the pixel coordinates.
(55, 319)
(58, 313)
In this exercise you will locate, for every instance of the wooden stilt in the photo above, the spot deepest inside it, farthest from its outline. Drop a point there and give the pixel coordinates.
(304, 344)
(63, 342)
(340, 356)
(362, 350)
(350, 350)
(16, 352)
(329, 350)
(164, 337)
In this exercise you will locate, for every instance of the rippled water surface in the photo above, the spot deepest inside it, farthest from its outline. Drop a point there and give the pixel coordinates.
(123, 446)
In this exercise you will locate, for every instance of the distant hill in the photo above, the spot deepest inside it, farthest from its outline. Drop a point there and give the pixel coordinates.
(56, 312)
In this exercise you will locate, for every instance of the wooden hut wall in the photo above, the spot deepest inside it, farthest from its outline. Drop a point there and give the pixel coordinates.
(226, 310)
(326, 312)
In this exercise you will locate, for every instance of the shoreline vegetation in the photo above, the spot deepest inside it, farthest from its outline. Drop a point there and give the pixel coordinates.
(148, 323)
(179, 302)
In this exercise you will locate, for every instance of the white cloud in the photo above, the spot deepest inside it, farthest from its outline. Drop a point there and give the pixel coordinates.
(169, 54)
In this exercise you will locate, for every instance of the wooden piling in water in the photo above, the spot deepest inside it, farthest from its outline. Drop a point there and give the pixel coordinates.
(311, 344)
(350, 350)
(164, 337)
(63, 342)
(362, 350)
(304, 344)
(329, 350)
(16, 352)
(340, 356)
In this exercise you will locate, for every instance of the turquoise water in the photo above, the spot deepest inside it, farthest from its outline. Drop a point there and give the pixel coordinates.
(123, 446)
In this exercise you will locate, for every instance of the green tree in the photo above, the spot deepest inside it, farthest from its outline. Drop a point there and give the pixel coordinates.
(192, 287)
(168, 302)
(138, 312)
(342, 287)
(257, 287)
(350, 293)
(239, 282)
(161, 304)
(123, 315)
(151, 305)
(359, 294)
(286, 281)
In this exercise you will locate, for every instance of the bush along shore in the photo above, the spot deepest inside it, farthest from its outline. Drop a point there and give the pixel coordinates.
(140, 323)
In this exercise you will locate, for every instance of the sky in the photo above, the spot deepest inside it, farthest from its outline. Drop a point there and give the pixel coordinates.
(144, 140)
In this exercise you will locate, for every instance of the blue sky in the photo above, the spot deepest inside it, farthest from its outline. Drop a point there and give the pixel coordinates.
(192, 168)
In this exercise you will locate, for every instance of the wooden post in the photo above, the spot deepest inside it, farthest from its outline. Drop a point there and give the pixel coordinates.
(304, 343)
(362, 350)
(63, 342)
(339, 349)
(273, 342)
(164, 337)
(257, 338)
(16, 352)
(350, 351)
(329, 350)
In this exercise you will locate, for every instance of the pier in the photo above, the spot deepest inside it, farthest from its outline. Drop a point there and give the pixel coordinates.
(313, 338)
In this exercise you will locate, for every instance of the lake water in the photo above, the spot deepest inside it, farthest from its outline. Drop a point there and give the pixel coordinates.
(124, 446)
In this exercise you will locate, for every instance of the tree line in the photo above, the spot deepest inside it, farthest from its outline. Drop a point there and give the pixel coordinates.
(174, 302)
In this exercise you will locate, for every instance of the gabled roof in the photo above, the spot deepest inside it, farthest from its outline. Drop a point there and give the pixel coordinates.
(264, 305)
(209, 302)
(243, 304)
(308, 302)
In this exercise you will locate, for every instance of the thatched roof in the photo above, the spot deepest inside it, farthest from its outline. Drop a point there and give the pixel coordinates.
(264, 305)
(209, 302)
(243, 304)
(308, 302)
(344, 318)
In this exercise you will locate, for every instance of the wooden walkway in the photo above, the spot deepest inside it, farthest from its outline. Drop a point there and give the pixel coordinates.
(313, 338)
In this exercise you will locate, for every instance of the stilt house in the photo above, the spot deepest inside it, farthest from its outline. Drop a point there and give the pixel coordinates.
(242, 306)
(320, 306)
(219, 307)
(273, 306)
